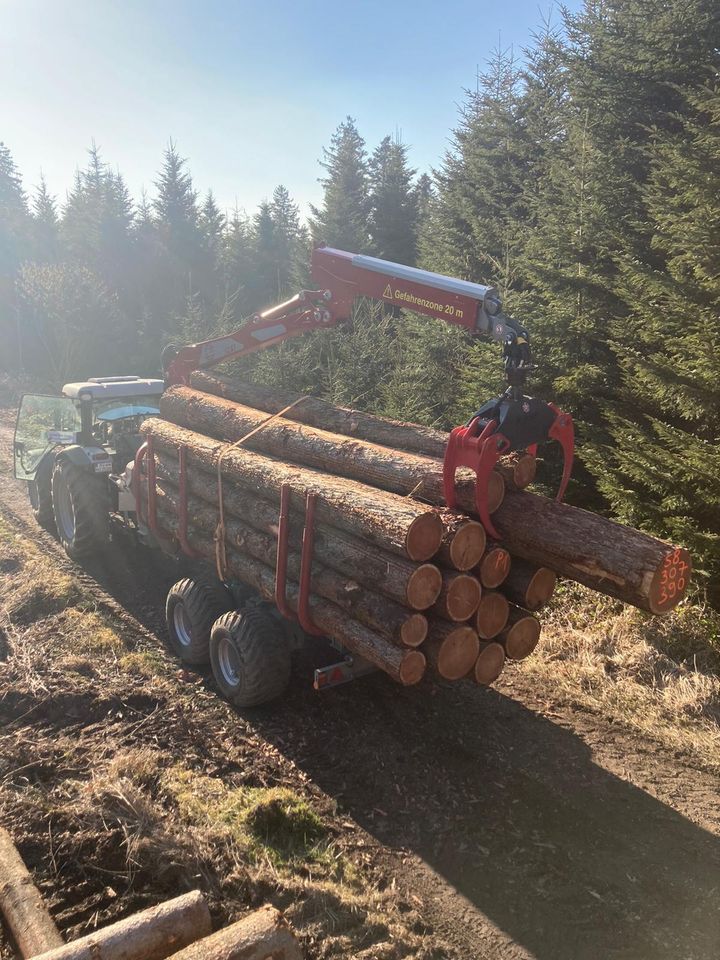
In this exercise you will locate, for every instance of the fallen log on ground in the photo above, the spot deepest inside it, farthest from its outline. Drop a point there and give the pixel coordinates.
(489, 664)
(264, 935)
(521, 635)
(494, 566)
(388, 618)
(152, 934)
(459, 597)
(404, 665)
(416, 585)
(492, 614)
(528, 585)
(451, 650)
(378, 466)
(21, 904)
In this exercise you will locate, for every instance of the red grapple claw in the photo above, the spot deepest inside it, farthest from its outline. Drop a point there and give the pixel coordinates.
(563, 431)
(479, 452)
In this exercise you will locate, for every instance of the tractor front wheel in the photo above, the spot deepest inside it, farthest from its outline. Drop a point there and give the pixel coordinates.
(41, 501)
(79, 510)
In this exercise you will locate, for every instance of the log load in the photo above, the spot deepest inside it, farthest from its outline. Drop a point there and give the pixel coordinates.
(494, 566)
(21, 904)
(492, 614)
(606, 556)
(459, 597)
(264, 935)
(521, 635)
(395, 523)
(451, 650)
(153, 934)
(528, 585)
(414, 585)
(396, 622)
(378, 466)
(489, 664)
(404, 665)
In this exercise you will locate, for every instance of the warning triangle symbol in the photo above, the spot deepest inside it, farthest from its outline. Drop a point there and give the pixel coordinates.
(387, 292)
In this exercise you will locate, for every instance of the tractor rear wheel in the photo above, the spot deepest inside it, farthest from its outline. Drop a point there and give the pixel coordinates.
(192, 607)
(79, 509)
(250, 657)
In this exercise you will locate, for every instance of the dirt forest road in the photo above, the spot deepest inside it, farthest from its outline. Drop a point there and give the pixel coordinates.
(520, 828)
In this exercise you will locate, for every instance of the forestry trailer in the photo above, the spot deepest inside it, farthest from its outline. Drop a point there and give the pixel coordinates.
(115, 453)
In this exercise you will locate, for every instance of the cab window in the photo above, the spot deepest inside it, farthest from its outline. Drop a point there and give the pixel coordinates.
(42, 423)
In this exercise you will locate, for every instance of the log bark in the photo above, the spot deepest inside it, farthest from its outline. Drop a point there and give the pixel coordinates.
(21, 904)
(606, 556)
(528, 585)
(150, 935)
(386, 468)
(492, 614)
(521, 635)
(414, 585)
(494, 566)
(517, 469)
(264, 935)
(395, 523)
(388, 618)
(405, 666)
(489, 664)
(451, 650)
(459, 597)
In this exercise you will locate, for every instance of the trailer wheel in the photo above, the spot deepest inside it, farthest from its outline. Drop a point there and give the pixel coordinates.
(250, 657)
(192, 607)
(79, 510)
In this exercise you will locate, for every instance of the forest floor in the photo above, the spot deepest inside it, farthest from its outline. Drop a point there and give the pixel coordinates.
(570, 813)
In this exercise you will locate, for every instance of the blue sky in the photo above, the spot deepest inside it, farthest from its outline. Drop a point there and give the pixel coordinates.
(250, 91)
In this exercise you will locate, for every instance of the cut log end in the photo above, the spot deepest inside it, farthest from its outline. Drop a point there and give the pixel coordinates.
(492, 615)
(454, 654)
(424, 537)
(424, 586)
(541, 588)
(463, 597)
(518, 469)
(494, 567)
(414, 631)
(467, 545)
(670, 581)
(489, 664)
(521, 638)
(412, 668)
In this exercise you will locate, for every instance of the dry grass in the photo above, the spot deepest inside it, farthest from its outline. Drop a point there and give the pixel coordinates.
(659, 675)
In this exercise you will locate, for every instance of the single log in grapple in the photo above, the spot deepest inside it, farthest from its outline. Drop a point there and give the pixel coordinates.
(411, 550)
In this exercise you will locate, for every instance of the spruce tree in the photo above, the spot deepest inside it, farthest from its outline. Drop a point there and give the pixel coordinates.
(342, 220)
(289, 242)
(393, 203)
(14, 247)
(46, 224)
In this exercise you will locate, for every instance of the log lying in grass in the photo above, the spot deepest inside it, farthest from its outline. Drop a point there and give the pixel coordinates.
(414, 585)
(494, 566)
(528, 585)
(394, 523)
(396, 622)
(264, 935)
(153, 934)
(489, 664)
(451, 650)
(604, 555)
(521, 635)
(405, 666)
(21, 904)
(378, 466)
(517, 469)
(492, 614)
(459, 597)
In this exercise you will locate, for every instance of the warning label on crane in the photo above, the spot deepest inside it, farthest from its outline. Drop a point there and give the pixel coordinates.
(387, 292)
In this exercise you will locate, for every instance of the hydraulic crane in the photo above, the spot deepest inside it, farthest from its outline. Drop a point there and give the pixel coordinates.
(509, 422)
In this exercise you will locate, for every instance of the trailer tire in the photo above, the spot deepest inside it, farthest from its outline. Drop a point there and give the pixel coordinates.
(192, 607)
(250, 657)
(79, 510)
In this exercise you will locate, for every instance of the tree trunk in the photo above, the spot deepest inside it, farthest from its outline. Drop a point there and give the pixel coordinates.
(451, 650)
(378, 466)
(604, 555)
(395, 523)
(415, 586)
(492, 615)
(459, 597)
(494, 566)
(21, 904)
(150, 935)
(489, 664)
(521, 635)
(517, 469)
(264, 935)
(405, 666)
(388, 618)
(528, 585)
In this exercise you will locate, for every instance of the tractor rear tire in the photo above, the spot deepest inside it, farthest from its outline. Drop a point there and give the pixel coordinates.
(41, 503)
(193, 605)
(250, 657)
(79, 510)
